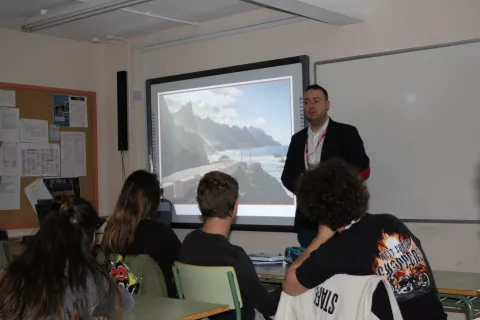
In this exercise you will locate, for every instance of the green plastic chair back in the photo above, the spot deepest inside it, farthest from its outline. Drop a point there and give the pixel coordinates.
(5, 257)
(208, 284)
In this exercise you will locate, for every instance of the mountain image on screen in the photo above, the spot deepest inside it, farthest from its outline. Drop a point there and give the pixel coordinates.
(202, 131)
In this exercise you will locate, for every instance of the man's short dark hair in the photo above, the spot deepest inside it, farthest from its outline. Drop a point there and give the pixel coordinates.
(332, 194)
(317, 87)
(217, 194)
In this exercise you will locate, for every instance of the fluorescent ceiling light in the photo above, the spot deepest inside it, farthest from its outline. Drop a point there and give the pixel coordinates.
(78, 12)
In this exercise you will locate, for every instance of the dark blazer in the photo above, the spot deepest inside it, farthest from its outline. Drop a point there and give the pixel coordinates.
(341, 141)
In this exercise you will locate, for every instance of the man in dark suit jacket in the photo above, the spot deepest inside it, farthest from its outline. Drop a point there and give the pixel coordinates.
(322, 140)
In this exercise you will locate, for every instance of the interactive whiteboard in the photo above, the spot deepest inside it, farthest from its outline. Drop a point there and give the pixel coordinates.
(238, 120)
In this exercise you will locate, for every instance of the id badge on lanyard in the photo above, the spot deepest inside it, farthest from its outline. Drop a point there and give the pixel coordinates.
(309, 165)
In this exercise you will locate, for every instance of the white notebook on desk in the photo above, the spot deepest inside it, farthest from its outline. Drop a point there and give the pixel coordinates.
(266, 257)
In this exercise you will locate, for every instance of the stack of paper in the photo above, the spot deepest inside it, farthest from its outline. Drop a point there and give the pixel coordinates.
(262, 259)
(10, 161)
(37, 191)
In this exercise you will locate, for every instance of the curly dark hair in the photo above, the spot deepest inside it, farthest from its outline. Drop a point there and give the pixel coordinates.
(332, 194)
(217, 194)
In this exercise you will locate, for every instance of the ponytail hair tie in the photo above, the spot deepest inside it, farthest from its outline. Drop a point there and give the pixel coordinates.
(66, 209)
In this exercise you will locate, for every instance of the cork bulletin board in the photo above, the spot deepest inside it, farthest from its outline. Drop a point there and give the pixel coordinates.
(36, 102)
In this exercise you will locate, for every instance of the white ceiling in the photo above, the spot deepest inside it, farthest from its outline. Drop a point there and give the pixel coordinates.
(15, 13)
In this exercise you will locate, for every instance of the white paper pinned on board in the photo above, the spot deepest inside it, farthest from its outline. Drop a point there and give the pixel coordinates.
(73, 154)
(37, 191)
(78, 111)
(33, 130)
(40, 159)
(10, 158)
(54, 132)
(7, 98)
(10, 192)
(9, 124)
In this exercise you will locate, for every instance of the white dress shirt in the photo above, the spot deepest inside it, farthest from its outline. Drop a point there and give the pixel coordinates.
(315, 154)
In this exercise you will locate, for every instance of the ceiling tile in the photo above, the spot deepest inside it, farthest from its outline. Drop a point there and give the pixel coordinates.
(15, 13)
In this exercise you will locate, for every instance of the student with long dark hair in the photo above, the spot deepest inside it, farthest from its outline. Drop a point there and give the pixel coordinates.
(130, 230)
(57, 277)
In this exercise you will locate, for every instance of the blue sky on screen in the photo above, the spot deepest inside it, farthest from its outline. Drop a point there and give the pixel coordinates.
(265, 105)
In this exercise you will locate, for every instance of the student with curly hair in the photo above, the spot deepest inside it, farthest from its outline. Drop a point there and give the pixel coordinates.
(352, 241)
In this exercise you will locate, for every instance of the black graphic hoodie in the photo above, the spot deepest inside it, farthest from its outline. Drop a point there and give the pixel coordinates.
(383, 245)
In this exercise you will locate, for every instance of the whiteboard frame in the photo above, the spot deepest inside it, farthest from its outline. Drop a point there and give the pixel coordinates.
(303, 60)
(388, 53)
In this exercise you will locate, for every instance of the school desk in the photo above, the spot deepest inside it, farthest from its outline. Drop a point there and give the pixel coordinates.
(457, 289)
(172, 309)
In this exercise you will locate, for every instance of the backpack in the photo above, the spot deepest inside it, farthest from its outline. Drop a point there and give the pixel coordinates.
(120, 272)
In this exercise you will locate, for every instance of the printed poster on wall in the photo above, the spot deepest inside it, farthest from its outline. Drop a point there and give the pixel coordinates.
(61, 110)
(70, 111)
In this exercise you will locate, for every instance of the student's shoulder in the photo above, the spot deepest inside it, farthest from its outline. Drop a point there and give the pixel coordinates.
(385, 217)
(237, 253)
(193, 236)
(238, 249)
(151, 228)
(387, 222)
(149, 224)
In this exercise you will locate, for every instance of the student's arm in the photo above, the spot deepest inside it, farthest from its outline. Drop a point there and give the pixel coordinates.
(126, 305)
(251, 288)
(106, 306)
(127, 301)
(175, 244)
(331, 258)
(356, 155)
(291, 285)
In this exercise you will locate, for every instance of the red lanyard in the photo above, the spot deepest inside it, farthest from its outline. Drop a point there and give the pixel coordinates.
(307, 155)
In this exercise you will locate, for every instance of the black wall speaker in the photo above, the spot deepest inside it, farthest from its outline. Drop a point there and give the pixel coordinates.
(122, 110)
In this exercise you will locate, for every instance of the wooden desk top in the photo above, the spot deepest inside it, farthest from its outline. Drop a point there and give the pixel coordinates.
(172, 309)
(448, 282)
(271, 272)
(460, 283)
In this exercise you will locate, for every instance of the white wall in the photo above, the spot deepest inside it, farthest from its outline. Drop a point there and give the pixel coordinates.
(392, 25)
(112, 58)
(46, 61)
(27, 58)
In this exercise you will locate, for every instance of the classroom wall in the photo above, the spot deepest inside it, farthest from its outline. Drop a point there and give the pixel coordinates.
(113, 58)
(392, 25)
(53, 62)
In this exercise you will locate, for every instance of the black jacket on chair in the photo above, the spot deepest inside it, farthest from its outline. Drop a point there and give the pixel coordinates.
(341, 141)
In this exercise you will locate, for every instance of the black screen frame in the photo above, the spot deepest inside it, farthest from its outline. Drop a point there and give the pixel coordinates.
(304, 60)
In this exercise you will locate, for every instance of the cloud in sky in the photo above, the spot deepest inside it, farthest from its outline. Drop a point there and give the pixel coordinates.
(213, 103)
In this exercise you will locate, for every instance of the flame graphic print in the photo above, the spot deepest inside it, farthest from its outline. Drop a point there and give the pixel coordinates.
(402, 263)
